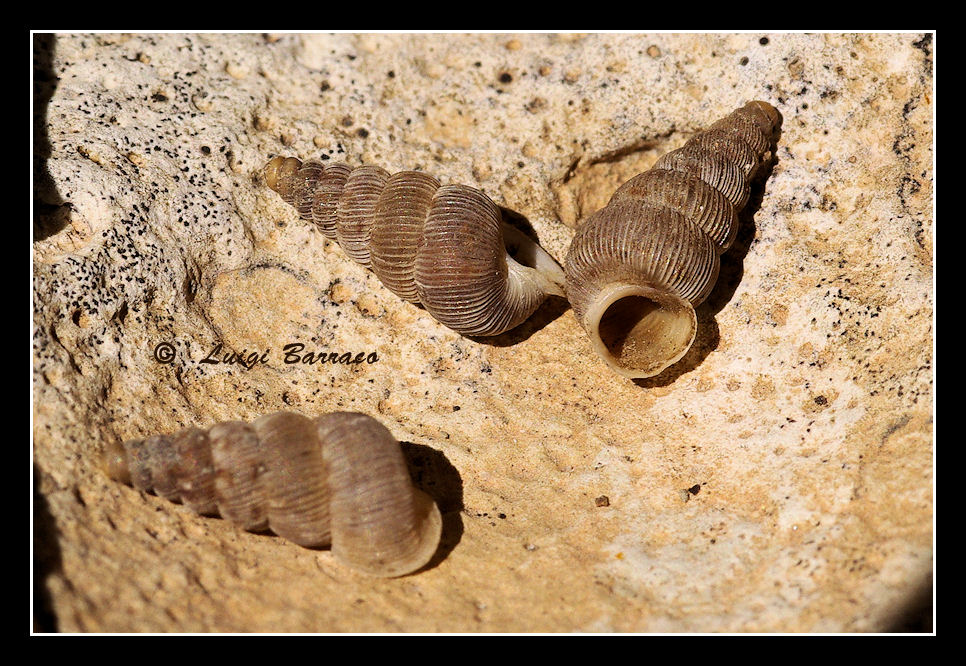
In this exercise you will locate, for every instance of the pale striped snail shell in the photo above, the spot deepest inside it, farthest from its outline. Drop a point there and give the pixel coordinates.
(445, 247)
(339, 480)
(637, 268)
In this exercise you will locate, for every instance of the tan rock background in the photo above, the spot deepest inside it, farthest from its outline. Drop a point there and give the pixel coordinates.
(801, 421)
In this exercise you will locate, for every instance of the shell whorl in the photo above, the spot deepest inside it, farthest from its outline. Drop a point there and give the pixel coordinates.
(638, 267)
(339, 480)
(444, 247)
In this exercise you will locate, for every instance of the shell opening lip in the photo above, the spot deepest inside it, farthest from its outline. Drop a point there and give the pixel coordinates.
(640, 329)
(523, 253)
(430, 529)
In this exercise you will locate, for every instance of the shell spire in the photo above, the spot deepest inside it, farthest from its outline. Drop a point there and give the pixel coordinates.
(339, 480)
(445, 247)
(638, 267)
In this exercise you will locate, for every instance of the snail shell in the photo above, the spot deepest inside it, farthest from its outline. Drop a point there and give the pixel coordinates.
(339, 480)
(638, 267)
(445, 247)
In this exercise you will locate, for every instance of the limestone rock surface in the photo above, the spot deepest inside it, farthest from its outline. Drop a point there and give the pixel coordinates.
(779, 478)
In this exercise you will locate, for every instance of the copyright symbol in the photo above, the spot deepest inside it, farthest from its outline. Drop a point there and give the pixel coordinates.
(164, 352)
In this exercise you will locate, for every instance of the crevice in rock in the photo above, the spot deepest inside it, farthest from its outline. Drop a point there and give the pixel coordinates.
(587, 187)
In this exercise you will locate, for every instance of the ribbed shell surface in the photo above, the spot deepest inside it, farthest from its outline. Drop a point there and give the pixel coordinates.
(356, 209)
(461, 271)
(324, 194)
(668, 225)
(442, 247)
(402, 209)
(637, 268)
(373, 503)
(693, 198)
(637, 242)
(236, 452)
(338, 480)
(296, 492)
(304, 181)
(178, 467)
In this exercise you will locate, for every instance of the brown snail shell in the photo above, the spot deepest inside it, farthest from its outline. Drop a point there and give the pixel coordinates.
(339, 480)
(637, 268)
(442, 246)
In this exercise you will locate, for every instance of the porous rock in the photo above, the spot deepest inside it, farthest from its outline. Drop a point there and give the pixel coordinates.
(779, 478)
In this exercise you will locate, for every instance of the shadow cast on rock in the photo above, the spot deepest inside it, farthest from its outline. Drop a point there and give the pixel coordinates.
(436, 476)
(705, 342)
(730, 274)
(549, 310)
(916, 615)
(552, 308)
(732, 262)
(432, 473)
(429, 469)
(47, 561)
(51, 212)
